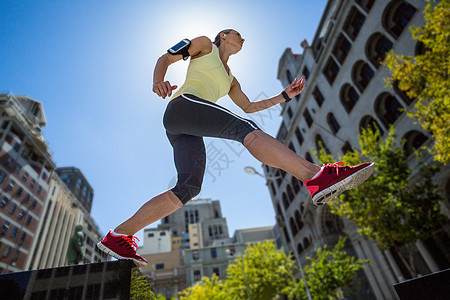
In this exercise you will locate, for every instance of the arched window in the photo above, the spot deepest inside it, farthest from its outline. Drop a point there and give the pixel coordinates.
(306, 243)
(293, 226)
(362, 73)
(333, 123)
(299, 248)
(320, 143)
(298, 220)
(285, 201)
(369, 122)
(377, 47)
(349, 97)
(290, 193)
(396, 17)
(296, 184)
(413, 140)
(308, 157)
(388, 109)
(403, 95)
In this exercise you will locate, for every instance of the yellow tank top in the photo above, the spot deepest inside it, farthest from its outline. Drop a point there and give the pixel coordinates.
(206, 78)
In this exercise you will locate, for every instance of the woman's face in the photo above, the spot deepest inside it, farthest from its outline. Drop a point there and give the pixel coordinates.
(234, 39)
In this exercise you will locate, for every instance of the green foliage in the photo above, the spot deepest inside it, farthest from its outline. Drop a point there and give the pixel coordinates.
(270, 272)
(139, 288)
(206, 289)
(329, 271)
(426, 77)
(389, 208)
(267, 272)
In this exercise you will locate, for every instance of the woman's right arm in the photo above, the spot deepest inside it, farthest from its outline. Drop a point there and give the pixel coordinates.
(199, 47)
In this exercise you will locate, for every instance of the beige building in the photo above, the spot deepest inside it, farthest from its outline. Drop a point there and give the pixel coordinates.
(345, 91)
(165, 272)
(63, 211)
(25, 167)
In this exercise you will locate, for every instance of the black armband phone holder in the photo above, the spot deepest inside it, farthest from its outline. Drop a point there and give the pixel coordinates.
(285, 95)
(181, 48)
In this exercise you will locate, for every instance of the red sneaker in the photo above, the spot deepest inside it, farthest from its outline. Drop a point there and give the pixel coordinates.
(121, 247)
(336, 178)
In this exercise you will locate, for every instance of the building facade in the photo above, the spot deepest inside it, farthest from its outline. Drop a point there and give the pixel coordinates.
(25, 168)
(345, 92)
(78, 184)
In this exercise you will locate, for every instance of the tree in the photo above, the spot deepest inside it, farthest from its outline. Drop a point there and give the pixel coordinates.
(390, 208)
(265, 270)
(268, 272)
(139, 287)
(206, 289)
(328, 272)
(426, 77)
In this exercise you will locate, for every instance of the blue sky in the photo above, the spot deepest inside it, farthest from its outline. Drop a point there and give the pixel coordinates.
(91, 65)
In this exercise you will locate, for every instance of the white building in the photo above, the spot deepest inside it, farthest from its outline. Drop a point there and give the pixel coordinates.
(156, 241)
(345, 91)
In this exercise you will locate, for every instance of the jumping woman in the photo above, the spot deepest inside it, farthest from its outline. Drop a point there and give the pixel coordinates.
(192, 113)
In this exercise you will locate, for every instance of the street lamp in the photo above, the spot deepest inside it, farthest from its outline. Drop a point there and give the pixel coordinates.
(252, 171)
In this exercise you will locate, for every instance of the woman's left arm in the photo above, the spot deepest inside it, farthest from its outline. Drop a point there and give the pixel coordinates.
(240, 99)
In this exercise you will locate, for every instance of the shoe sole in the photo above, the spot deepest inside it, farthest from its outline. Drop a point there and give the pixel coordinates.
(114, 254)
(344, 185)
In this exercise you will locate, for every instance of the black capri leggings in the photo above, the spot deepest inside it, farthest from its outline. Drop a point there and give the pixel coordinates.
(187, 120)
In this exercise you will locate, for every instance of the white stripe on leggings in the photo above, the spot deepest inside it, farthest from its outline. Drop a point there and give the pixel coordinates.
(220, 108)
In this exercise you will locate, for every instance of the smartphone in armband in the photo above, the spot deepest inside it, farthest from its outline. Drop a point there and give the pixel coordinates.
(181, 48)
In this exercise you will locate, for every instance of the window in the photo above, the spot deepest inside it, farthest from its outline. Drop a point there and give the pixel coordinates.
(44, 175)
(9, 161)
(197, 275)
(289, 112)
(307, 117)
(7, 250)
(299, 136)
(32, 183)
(388, 109)
(2, 177)
(362, 74)
(347, 148)
(19, 192)
(331, 70)
(159, 266)
(150, 235)
(353, 23)
(16, 147)
(213, 253)
(349, 97)
(289, 76)
(21, 214)
(318, 96)
(14, 232)
(216, 271)
(333, 123)
(4, 202)
(17, 170)
(341, 48)
(195, 255)
(25, 176)
(27, 198)
(39, 188)
(28, 221)
(306, 72)
(5, 227)
(11, 185)
(33, 205)
(13, 208)
(162, 233)
(397, 16)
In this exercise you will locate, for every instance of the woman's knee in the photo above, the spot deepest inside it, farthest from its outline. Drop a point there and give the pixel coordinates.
(187, 187)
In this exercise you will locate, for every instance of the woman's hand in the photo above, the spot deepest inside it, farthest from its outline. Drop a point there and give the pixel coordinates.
(296, 87)
(164, 89)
